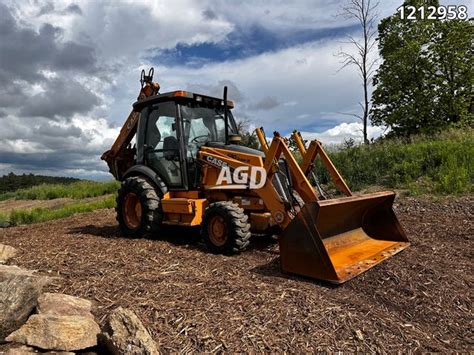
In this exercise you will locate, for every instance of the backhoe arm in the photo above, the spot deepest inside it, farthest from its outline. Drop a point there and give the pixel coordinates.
(119, 157)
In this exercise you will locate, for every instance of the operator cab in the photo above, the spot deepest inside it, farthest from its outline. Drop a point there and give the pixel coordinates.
(171, 129)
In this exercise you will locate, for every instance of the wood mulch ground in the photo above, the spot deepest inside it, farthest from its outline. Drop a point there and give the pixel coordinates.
(190, 300)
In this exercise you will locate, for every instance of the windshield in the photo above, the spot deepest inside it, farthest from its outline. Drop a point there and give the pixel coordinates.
(205, 124)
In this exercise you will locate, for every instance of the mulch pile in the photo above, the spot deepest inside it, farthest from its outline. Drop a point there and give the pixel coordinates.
(194, 301)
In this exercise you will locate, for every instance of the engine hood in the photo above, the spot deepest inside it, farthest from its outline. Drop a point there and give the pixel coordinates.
(236, 148)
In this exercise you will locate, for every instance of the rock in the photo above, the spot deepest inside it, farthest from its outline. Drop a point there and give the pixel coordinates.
(51, 332)
(64, 305)
(21, 350)
(124, 333)
(6, 253)
(19, 292)
(26, 350)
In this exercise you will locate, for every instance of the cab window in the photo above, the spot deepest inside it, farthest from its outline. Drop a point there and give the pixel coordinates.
(162, 148)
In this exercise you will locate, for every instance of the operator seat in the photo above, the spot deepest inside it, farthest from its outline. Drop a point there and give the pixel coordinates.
(171, 161)
(170, 148)
(163, 160)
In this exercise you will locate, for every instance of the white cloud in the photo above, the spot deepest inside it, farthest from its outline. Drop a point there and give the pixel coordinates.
(289, 16)
(22, 146)
(124, 29)
(313, 91)
(100, 132)
(342, 132)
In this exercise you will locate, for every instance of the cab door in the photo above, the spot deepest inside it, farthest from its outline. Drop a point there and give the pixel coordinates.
(162, 153)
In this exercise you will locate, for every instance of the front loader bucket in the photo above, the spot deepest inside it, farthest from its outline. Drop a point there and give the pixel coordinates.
(336, 240)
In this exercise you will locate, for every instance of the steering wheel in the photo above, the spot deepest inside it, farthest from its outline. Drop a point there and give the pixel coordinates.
(195, 139)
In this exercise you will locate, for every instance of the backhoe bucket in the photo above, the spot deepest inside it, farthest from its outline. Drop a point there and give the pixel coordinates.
(336, 240)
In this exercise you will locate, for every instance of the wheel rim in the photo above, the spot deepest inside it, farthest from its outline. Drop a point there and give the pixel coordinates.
(132, 211)
(217, 230)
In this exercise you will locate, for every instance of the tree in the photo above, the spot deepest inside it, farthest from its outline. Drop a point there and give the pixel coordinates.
(425, 80)
(451, 52)
(365, 13)
(249, 139)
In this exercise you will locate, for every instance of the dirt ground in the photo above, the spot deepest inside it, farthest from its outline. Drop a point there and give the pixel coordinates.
(8, 205)
(190, 300)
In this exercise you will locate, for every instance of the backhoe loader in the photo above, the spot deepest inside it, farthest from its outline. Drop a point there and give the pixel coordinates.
(187, 168)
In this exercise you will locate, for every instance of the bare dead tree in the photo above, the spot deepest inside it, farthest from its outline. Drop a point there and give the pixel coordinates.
(243, 125)
(365, 11)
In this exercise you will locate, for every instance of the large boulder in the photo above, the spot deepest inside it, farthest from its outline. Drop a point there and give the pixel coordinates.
(19, 292)
(124, 333)
(52, 332)
(64, 305)
(6, 253)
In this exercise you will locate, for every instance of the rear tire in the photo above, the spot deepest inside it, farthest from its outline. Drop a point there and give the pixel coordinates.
(138, 208)
(225, 228)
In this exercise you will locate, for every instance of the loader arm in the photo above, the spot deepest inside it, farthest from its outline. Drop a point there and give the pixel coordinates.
(119, 157)
(335, 239)
(310, 154)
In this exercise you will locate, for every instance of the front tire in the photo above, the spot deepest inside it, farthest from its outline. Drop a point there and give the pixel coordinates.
(138, 208)
(225, 228)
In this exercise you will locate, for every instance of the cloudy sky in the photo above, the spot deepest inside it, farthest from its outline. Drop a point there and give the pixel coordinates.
(69, 71)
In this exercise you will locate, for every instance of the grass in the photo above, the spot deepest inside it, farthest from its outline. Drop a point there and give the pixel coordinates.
(4, 220)
(75, 190)
(36, 215)
(440, 165)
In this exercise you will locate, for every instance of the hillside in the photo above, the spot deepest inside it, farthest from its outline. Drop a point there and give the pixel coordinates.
(441, 164)
(12, 182)
(52, 201)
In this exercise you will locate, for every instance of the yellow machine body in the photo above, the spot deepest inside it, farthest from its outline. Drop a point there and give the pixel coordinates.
(327, 239)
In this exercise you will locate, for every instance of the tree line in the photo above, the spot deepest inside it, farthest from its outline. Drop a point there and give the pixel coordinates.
(12, 182)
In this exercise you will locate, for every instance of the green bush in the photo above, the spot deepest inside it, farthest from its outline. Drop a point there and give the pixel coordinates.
(75, 190)
(4, 221)
(441, 164)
